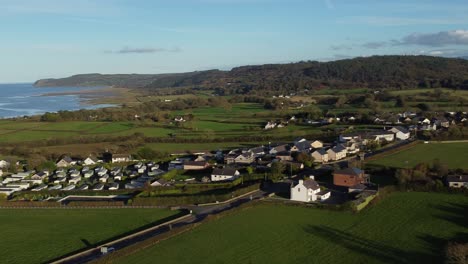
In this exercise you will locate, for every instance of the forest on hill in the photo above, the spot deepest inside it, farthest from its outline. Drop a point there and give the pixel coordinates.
(376, 72)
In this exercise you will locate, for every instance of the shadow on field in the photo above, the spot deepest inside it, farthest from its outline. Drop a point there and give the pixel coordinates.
(379, 251)
(455, 213)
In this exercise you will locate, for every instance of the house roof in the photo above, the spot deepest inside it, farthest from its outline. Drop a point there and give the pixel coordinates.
(350, 171)
(195, 163)
(401, 129)
(224, 171)
(311, 184)
(118, 156)
(457, 178)
(358, 186)
(66, 159)
(338, 148)
(321, 151)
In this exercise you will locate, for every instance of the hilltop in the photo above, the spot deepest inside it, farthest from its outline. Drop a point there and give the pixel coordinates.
(370, 72)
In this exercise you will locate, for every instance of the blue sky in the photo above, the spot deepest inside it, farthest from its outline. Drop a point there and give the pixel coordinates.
(58, 38)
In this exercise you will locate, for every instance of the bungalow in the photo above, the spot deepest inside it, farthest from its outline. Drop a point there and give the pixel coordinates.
(114, 186)
(306, 191)
(40, 188)
(142, 170)
(60, 180)
(7, 191)
(196, 165)
(117, 158)
(40, 176)
(75, 180)
(115, 171)
(118, 177)
(104, 178)
(457, 181)
(83, 187)
(69, 187)
(224, 174)
(380, 136)
(401, 133)
(64, 162)
(349, 177)
(55, 187)
(320, 155)
(98, 187)
(336, 153)
(90, 161)
(160, 182)
(88, 174)
(101, 171)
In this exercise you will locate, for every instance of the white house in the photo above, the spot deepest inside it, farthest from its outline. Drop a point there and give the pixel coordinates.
(90, 161)
(401, 133)
(307, 191)
(66, 161)
(116, 158)
(114, 186)
(457, 181)
(224, 174)
(75, 180)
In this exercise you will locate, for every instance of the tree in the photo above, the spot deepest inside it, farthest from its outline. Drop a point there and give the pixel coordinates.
(400, 101)
(277, 169)
(147, 153)
(250, 170)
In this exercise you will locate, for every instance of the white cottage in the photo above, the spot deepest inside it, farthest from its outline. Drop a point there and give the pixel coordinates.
(307, 191)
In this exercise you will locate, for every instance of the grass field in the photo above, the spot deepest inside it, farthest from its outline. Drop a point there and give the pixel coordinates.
(40, 235)
(454, 155)
(405, 228)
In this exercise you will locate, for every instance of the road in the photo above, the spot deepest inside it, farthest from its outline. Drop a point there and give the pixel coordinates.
(199, 213)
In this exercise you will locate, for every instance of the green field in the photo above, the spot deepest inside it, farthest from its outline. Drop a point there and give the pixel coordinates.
(454, 155)
(40, 235)
(405, 228)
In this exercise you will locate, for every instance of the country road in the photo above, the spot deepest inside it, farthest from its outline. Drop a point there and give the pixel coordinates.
(198, 214)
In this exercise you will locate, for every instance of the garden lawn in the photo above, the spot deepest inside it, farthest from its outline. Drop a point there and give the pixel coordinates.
(454, 155)
(40, 235)
(403, 228)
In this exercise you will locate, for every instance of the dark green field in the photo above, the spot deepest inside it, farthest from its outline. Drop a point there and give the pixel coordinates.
(454, 155)
(40, 235)
(404, 228)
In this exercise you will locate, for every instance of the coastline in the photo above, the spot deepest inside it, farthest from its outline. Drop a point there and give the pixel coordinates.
(98, 96)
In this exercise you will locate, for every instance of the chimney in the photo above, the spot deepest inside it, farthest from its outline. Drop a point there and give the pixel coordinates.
(312, 177)
(301, 182)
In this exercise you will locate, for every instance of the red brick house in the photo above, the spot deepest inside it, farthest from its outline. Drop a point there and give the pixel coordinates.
(349, 177)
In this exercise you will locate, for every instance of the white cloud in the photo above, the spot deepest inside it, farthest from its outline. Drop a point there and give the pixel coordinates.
(400, 21)
(439, 39)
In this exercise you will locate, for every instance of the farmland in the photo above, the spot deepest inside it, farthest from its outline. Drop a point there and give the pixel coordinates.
(40, 235)
(451, 154)
(405, 228)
